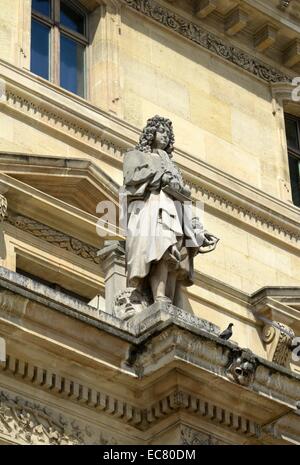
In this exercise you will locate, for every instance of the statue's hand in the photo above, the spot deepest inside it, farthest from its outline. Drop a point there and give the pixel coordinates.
(209, 243)
(166, 179)
(186, 190)
(209, 239)
(174, 184)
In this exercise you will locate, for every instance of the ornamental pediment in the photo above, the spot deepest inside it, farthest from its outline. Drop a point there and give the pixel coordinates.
(62, 193)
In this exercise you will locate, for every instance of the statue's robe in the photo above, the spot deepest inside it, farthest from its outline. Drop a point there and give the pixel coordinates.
(156, 221)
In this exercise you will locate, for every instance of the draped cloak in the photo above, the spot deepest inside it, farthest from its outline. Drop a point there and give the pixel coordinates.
(155, 220)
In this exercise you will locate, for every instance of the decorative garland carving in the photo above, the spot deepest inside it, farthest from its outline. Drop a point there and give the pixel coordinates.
(3, 207)
(55, 237)
(28, 422)
(207, 40)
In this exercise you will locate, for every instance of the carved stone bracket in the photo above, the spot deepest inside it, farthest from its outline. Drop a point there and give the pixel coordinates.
(278, 338)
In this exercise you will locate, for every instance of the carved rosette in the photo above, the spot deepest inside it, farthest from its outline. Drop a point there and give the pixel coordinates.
(268, 333)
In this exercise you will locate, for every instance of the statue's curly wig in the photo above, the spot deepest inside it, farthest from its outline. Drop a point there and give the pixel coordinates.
(149, 131)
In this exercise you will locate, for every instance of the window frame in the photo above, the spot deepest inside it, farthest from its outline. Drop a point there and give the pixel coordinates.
(56, 29)
(292, 152)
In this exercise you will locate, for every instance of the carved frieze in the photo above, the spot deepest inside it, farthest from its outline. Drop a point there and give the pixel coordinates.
(54, 237)
(26, 422)
(207, 40)
(192, 437)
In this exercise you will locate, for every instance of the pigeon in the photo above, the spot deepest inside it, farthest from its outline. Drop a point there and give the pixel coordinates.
(227, 333)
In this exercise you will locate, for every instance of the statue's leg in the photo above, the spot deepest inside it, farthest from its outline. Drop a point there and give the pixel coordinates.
(178, 295)
(171, 285)
(158, 279)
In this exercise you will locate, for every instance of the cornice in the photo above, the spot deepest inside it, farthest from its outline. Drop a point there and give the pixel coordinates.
(137, 417)
(143, 418)
(207, 40)
(163, 339)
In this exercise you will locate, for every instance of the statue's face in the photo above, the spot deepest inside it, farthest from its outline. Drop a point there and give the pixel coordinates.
(161, 139)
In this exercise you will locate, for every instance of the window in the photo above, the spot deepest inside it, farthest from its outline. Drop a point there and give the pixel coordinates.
(292, 127)
(59, 42)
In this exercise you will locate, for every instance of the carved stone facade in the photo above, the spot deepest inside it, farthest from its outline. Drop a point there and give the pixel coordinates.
(200, 36)
(85, 356)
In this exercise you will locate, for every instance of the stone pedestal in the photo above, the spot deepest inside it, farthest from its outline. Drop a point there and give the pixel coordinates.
(113, 262)
(162, 312)
(2, 350)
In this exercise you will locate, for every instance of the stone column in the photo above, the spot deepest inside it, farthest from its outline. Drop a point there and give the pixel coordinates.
(113, 262)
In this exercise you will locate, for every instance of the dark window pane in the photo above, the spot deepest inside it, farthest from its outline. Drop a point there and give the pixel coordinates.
(40, 49)
(42, 6)
(71, 18)
(291, 133)
(71, 65)
(294, 165)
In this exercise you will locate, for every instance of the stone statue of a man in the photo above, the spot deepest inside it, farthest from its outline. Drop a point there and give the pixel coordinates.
(162, 237)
